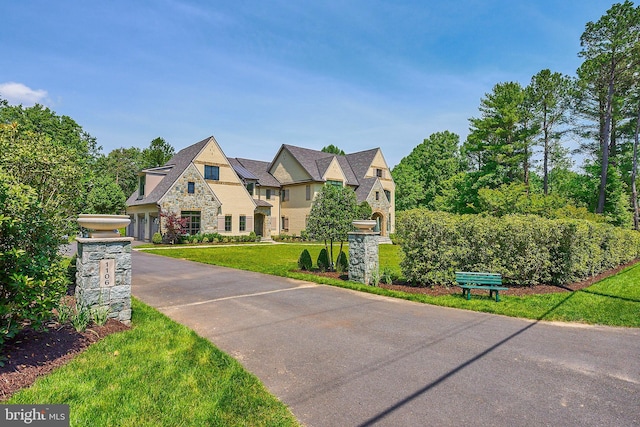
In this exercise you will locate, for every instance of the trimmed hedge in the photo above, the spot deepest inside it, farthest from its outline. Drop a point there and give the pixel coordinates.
(525, 249)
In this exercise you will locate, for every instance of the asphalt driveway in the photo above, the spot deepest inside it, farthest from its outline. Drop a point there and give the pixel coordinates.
(342, 358)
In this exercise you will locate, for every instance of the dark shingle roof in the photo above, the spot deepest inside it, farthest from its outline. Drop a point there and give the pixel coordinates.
(361, 161)
(323, 164)
(354, 166)
(260, 170)
(308, 159)
(178, 163)
(316, 163)
(362, 192)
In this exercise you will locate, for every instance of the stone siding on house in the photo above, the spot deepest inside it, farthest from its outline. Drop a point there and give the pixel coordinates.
(202, 199)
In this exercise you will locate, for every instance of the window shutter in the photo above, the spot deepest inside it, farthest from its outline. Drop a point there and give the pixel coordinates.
(274, 223)
(249, 223)
(220, 222)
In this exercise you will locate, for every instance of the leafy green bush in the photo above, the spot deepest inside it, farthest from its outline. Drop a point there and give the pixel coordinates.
(64, 312)
(342, 264)
(525, 249)
(304, 261)
(157, 238)
(33, 279)
(323, 260)
(387, 276)
(100, 314)
(81, 318)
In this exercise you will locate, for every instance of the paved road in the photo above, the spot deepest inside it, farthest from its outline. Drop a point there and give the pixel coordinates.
(341, 358)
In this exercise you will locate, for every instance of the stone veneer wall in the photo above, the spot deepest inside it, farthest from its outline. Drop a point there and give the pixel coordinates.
(381, 206)
(363, 257)
(203, 199)
(93, 290)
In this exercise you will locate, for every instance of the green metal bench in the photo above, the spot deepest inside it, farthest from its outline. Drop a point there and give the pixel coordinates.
(488, 281)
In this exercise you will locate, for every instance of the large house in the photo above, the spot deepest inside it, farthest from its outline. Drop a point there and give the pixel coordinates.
(235, 196)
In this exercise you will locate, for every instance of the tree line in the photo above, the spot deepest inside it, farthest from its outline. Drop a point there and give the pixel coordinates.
(517, 157)
(64, 163)
(50, 171)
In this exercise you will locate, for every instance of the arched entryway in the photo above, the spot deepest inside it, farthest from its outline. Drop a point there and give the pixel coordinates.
(381, 223)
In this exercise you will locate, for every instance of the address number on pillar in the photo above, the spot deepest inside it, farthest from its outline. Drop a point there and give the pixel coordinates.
(107, 272)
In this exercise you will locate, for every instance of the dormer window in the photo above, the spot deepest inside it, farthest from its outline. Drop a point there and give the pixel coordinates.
(379, 173)
(141, 184)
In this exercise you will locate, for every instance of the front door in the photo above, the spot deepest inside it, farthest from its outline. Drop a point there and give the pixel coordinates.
(258, 225)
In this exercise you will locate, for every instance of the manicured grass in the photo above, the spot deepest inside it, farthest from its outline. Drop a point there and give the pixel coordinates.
(159, 373)
(614, 301)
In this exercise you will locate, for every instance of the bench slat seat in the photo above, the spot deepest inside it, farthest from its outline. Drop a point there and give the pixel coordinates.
(472, 280)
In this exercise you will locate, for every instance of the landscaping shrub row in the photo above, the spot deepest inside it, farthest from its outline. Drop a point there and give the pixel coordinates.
(525, 249)
(209, 238)
(323, 262)
(303, 237)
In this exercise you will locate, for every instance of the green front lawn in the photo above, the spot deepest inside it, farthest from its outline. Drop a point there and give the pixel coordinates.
(614, 301)
(159, 373)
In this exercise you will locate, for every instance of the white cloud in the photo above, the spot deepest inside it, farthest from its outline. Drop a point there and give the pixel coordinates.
(17, 93)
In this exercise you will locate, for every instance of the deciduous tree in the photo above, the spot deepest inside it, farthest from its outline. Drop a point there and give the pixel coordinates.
(333, 150)
(420, 175)
(157, 154)
(332, 213)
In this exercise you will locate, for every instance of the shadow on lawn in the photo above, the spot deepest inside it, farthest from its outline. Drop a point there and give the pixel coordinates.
(608, 296)
(425, 389)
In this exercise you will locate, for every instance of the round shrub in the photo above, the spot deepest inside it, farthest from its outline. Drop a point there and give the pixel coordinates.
(304, 261)
(156, 239)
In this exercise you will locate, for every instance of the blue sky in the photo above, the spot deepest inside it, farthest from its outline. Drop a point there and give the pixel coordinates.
(258, 74)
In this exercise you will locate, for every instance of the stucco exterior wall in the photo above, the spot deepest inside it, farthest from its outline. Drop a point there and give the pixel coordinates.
(260, 193)
(151, 181)
(334, 172)
(234, 198)
(287, 170)
(297, 208)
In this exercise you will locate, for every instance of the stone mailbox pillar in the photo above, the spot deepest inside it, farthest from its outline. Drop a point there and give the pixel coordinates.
(363, 253)
(103, 275)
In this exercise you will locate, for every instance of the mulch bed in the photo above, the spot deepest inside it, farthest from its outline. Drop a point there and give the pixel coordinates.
(32, 354)
(513, 291)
